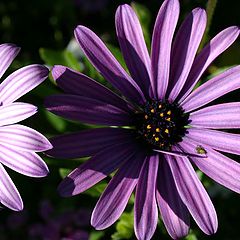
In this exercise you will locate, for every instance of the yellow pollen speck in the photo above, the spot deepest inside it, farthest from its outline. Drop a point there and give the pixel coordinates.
(161, 114)
(146, 116)
(152, 110)
(156, 139)
(149, 126)
(154, 135)
(166, 130)
(160, 106)
(162, 144)
(168, 119)
(169, 112)
(157, 129)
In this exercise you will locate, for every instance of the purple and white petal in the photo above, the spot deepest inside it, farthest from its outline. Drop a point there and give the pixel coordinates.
(184, 49)
(26, 163)
(193, 194)
(115, 197)
(212, 50)
(87, 110)
(133, 46)
(220, 116)
(107, 65)
(73, 82)
(16, 112)
(174, 213)
(217, 166)
(213, 89)
(145, 208)
(161, 46)
(23, 138)
(21, 82)
(96, 168)
(222, 141)
(8, 52)
(9, 195)
(88, 142)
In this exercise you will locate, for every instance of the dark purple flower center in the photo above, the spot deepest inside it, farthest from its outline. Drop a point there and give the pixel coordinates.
(161, 124)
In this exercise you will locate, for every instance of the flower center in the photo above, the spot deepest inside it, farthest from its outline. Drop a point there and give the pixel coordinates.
(161, 124)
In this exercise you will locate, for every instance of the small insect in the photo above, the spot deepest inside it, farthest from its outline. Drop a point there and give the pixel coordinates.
(201, 150)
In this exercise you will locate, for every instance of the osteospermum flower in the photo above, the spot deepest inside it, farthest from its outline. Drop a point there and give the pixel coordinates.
(168, 129)
(18, 143)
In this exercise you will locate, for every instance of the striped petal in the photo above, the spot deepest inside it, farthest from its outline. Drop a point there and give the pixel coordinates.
(213, 89)
(107, 65)
(15, 112)
(87, 142)
(26, 163)
(87, 110)
(161, 45)
(9, 195)
(185, 48)
(145, 208)
(8, 52)
(173, 211)
(115, 197)
(193, 194)
(220, 116)
(23, 138)
(21, 82)
(133, 46)
(212, 50)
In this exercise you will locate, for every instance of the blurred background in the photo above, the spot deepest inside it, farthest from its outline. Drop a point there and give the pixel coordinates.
(44, 31)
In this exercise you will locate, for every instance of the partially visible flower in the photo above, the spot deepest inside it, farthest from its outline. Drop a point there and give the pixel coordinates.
(18, 143)
(167, 131)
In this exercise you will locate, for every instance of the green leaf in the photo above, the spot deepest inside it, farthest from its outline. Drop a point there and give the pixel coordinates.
(96, 235)
(96, 190)
(191, 236)
(62, 57)
(64, 172)
(57, 122)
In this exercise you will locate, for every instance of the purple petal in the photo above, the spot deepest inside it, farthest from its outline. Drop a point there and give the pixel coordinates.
(16, 112)
(173, 211)
(222, 141)
(133, 46)
(96, 169)
(87, 142)
(115, 197)
(26, 163)
(185, 48)
(21, 82)
(9, 195)
(212, 50)
(145, 208)
(73, 82)
(23, 138)
(193, 194)
(87, 110)
(217, 166)
(161, 45)
(213, 89)
(106, 64)
(8, 52)
(226, 115)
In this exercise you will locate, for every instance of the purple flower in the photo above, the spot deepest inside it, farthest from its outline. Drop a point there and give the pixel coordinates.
(168, 130)
(18, 143)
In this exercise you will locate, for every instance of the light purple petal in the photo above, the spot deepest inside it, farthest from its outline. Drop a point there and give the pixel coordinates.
(220, 116)
(222, 141)
(9, 195)
(26, 163)
(193, 194)
(87, 110)
(145, 208)
(133, 46)
(213, 89)
(173, 211)
(115, 197)
(8, 52)
(217, 166)
(185, 48)
(106, 64)
(87, 142)
(161, 45)
(212, 50)
(73, 82)
(16, 112)
(21, 82)
(96, 169)
(23, 138)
